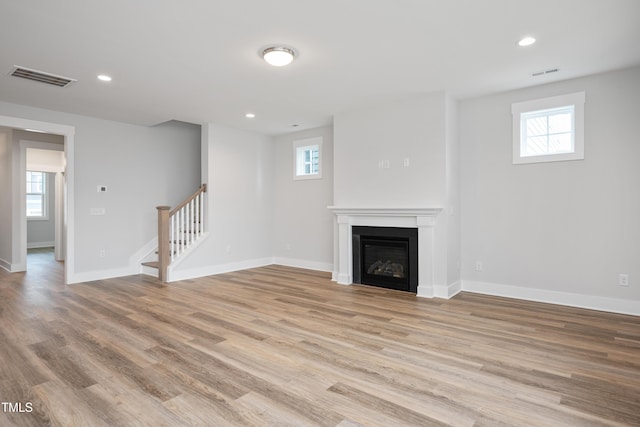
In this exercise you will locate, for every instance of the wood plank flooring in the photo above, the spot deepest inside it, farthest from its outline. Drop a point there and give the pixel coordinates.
(284, 346)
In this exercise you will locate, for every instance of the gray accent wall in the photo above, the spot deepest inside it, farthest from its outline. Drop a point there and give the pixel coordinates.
(560, 231)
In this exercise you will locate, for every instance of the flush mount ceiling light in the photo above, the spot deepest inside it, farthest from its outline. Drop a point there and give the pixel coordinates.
(250, 115)
(278, 56)
(104, 78)
(526, 41)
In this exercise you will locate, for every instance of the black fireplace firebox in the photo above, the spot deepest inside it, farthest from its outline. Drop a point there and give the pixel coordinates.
(386, 257)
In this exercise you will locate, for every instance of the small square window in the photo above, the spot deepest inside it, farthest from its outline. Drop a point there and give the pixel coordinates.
(549, 129)
(307, 158)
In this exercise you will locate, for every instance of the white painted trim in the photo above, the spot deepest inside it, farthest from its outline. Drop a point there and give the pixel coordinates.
(592, 302)
(447, 291)
(306, 264)
(90, 276)
(5, 265)
(69, 149)
(212, 270)
(36, 245)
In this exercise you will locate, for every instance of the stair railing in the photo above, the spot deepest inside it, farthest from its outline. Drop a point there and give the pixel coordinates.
(179, 228)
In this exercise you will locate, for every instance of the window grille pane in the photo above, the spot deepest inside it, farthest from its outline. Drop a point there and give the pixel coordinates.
(560, 123)
(35, 205)
(536, 126)
(536, 146)
(560, 143)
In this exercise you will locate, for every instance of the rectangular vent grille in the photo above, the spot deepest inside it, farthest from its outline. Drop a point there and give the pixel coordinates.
(542, 73)
(40, 76)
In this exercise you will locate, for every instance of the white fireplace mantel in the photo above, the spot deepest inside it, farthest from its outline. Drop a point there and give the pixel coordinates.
(424, 219)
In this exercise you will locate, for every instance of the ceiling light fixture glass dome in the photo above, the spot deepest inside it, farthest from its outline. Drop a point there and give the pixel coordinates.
(278, 56)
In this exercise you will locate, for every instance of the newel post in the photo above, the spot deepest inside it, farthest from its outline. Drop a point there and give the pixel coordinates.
(163, 241)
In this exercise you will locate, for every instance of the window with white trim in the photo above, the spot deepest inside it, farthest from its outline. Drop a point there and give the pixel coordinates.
(549, 129)
(37, 195)
(307, 158)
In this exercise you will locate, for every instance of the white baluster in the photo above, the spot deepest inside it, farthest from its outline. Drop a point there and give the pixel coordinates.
(172, 234)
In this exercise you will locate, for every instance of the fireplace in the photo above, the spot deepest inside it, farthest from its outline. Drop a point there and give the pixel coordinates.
(386, 257)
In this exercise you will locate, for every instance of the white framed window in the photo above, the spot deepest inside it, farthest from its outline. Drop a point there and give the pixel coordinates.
(37, 195)
(549, 129)
(307, 158)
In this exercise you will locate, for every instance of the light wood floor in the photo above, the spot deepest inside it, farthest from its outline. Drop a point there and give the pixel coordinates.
(283, 346)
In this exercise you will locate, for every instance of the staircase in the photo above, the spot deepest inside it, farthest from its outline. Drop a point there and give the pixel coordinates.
(178, 229)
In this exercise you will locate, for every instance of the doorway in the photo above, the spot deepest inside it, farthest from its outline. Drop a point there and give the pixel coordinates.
(17, 235)
(45, 189)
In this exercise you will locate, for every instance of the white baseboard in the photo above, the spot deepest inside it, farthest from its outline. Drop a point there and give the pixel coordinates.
(90, 276)
(301, 263)
(5, 265)
(211, 270)
(439, 291)
(36, 245)
(591, 302)
(12, 268)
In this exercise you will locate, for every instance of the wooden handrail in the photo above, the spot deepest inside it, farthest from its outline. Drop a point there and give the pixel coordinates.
(202, 189)
(165, 246)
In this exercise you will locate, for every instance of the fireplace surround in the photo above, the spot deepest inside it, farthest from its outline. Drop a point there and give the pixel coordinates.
(423, 219)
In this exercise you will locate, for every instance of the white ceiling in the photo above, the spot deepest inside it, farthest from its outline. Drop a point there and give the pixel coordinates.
(197, 60)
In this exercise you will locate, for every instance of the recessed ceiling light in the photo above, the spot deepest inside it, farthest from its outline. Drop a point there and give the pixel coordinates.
(104, 78)
(526, 41)
(249, 115)
(278, 56)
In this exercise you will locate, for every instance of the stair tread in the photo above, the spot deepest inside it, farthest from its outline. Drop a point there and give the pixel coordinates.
(154, 264)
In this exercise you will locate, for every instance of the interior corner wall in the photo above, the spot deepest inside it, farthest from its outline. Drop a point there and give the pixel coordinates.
(239, 204)
(452, 205)
(561, 231)
(302, 223)
(6, 193)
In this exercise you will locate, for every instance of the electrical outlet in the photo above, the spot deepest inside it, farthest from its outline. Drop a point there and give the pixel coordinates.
(479, 266)
(623, 280)
(103, 253)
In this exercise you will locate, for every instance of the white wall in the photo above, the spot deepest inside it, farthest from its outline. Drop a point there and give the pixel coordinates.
(302, 224)
(412, 128)
(142, 166)
(423, 130)
(239, 177)
(563, 231)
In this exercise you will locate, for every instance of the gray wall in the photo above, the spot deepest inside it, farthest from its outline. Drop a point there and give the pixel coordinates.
(143, 167)
(565, 227)
(302, 224)
(238, 171)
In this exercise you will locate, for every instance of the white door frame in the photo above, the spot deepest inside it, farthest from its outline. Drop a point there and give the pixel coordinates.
(19, 209)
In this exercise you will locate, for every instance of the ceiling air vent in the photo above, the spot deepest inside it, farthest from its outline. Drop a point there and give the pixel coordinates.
(41, 76)
(542, 73)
